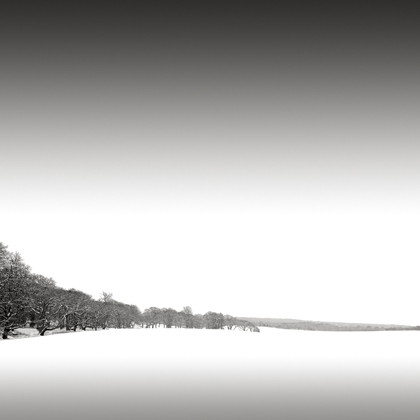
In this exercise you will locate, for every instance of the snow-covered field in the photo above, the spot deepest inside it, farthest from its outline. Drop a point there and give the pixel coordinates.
(204, 374)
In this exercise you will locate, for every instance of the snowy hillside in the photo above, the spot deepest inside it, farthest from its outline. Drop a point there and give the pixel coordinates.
(211, 374)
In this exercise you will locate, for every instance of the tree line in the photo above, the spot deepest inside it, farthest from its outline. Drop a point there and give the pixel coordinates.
(170, 318)
(33, 300)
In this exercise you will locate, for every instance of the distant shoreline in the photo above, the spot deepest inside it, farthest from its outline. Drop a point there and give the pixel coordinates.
(297, 324)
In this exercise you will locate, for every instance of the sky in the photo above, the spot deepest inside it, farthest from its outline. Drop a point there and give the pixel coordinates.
(256, 161)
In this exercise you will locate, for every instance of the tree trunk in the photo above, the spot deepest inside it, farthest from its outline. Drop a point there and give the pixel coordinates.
(6, 332)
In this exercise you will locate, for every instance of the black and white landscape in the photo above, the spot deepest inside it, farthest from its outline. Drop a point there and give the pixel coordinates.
(260, 161)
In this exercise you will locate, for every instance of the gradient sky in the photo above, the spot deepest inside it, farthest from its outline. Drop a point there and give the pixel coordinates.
(255, 161)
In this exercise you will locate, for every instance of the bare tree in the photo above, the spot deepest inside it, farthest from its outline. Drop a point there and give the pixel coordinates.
(13, 293)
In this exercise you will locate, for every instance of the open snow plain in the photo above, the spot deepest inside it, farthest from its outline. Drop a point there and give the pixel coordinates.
(211, 374)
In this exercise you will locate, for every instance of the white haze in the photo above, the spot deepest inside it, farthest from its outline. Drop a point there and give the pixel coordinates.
(295, 204)
(339, 265)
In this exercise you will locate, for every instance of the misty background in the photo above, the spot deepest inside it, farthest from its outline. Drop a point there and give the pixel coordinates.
(252, 160)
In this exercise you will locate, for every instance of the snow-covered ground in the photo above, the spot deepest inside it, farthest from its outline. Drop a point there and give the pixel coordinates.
(204, 374)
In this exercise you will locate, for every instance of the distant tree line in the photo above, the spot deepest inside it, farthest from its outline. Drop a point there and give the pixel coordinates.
(33, 300)
(169, 318)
